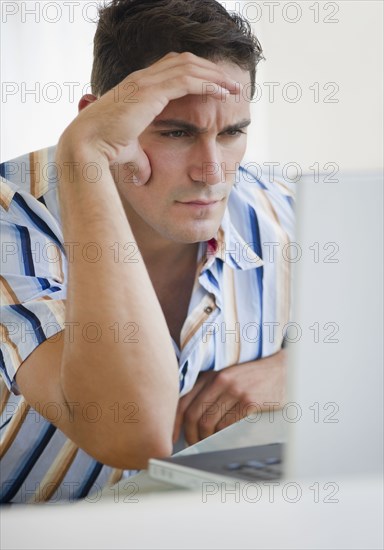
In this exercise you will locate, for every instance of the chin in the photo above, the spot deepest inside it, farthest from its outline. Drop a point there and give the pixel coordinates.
(191, 235)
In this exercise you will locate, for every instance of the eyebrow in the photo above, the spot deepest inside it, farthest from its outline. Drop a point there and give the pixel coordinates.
(192, 128)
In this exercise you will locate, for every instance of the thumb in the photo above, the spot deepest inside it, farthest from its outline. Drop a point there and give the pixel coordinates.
(177, 425)
(136, 172)
(184, 403)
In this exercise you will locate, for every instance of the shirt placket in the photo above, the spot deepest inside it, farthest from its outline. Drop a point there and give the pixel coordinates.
(207, 311)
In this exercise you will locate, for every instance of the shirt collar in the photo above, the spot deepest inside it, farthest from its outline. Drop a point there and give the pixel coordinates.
(229, 247)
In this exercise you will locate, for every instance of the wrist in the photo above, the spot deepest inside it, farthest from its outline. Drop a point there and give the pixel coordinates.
(76, 149)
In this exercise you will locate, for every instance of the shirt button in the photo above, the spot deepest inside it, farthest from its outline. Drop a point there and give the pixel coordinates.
(208, 310)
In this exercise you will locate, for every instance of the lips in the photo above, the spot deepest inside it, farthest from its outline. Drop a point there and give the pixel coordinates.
(201, 202)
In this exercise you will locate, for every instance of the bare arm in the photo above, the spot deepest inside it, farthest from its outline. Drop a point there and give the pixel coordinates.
(111, 372)
(221, 398)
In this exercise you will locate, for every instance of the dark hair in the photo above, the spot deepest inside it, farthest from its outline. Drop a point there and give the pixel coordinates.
(133, 34)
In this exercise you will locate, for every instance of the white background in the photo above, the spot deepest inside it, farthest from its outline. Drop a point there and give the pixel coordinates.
(338, 122)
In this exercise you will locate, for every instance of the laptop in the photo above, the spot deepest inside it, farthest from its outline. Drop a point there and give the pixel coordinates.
(247, 464)
(335, 368)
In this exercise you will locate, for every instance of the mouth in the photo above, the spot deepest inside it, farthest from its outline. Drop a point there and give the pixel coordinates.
(199, 202)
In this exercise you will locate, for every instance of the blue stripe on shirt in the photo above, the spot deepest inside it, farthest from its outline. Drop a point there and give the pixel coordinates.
(212, 279)
(90, 480)
(44, 283)
(259, 272)
(36, 219)
(3, 369)
(25, 240)
(3, 170)
(33, 320)
(38, 449)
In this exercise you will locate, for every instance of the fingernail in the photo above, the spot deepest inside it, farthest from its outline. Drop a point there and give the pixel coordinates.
(136, 181)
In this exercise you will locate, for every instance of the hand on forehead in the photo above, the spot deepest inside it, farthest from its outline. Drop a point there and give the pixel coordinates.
(200, 113)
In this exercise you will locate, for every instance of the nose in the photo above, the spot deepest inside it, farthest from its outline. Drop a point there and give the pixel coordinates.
(206, 163)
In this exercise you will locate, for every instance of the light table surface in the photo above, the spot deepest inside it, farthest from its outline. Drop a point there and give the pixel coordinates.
(157, 515)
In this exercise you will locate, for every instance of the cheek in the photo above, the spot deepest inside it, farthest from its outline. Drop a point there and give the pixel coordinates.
(163, 160)
(233, 155)
(240, 146)
(159, 189)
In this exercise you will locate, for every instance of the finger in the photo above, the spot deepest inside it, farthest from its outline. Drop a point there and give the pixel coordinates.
(141, 169)
(135, 172)
(181, 65)
(225, 407)
(184, 77)
(233, 413)
(177, 426)
(204, 409)
(177, 88)
(189, 63)
(183, 404)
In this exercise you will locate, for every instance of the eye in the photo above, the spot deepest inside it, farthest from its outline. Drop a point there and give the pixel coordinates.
(234, 132)
(175, 134)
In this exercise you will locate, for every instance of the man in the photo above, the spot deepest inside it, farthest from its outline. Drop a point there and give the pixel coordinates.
(156, 285)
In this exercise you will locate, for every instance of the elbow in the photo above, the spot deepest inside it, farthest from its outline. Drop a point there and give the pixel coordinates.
(156, 449)
(155, 446)
(136, 452)
(126, 437)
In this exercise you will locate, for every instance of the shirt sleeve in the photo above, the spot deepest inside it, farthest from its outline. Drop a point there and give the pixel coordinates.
(32, 278)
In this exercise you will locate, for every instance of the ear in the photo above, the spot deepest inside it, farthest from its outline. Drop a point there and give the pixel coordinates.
(86, 100)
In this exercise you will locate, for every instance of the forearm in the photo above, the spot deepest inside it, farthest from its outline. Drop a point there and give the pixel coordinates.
(272, 371)
(111, 371)
(223, 397)
(120, 367)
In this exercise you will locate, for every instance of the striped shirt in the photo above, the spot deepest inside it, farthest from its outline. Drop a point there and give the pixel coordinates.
(238, 312)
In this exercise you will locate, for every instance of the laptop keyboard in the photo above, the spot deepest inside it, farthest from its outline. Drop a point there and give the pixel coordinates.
(266, 469)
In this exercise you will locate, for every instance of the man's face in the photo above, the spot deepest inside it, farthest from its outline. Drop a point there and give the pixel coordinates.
(194, 147)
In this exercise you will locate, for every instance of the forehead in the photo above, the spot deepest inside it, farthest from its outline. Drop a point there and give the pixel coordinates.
(205, 110)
